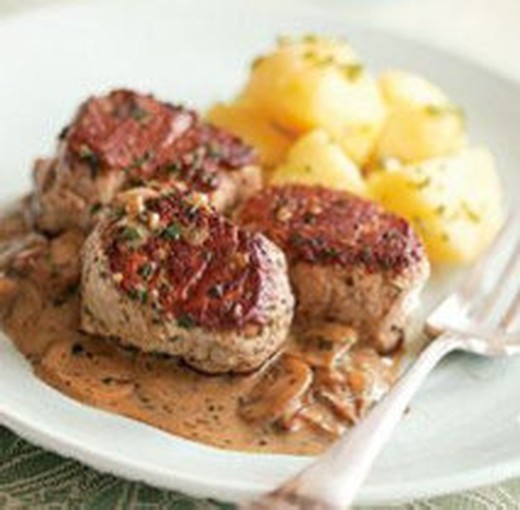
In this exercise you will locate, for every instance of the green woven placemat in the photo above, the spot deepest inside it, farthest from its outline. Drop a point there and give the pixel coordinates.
(33, 479)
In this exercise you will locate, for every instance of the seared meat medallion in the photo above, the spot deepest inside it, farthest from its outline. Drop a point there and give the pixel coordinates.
(165, 272)
(125, 139)
(349, 260)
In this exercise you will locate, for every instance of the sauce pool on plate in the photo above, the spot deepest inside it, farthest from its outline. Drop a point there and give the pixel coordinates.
(298, 403)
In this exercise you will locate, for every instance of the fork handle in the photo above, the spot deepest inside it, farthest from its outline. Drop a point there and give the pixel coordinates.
(333, 481)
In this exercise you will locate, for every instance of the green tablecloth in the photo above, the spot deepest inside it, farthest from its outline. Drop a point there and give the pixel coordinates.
(34, 479)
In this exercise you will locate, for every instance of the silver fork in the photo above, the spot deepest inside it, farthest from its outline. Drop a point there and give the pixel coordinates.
(479, 317)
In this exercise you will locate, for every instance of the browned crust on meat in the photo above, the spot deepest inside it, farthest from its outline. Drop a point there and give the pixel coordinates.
(349, 260)
(145, 138)
(125, 140)
(332, 228)
(164, 272)
(189, 262)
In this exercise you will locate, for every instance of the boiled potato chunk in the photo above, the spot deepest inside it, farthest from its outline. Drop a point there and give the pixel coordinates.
(316, 160)
(422, 122)
(317, 82)
(453, 202)
(245, 121)
(415, 134)
(401, 89)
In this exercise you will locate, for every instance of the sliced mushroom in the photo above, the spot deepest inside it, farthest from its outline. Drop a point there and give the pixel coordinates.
(324, 345)
(7, 285)
(8, 291)
(353, 384)
(52, 265)
(15, 253)
(279, 390)
(366, 369)
(341, 402)
(64, 250)
(14, 223)
(89, 369)
(322, 419)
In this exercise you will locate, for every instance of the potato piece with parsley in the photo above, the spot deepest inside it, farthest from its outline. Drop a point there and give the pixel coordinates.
(454, 202)
(248, 123)
(316, 160)
(319, 83)
(422, 122)
(401, 88)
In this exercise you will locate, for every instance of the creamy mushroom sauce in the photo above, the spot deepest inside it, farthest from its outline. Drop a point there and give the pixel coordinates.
(323, 381)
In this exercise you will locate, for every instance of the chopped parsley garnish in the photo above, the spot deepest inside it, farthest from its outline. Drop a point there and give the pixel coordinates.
(140, 114)
(146, 271)
(209, 179)
(185, 321)
(136, 182)
(93, 161)
(172, 231)
(216, 291)
(85, 152)
(352, 71)
(435, 110)
(297, 240)
(140, 295)
(310, 38)
(129, 234)
(190, 210)
(440, 210)
(366, 255)
(198, 157)
(445, 109)
(138, 162)
(96, 208)
(424, 183)
(213, 150)
(317, 60)
(256, 62)
(118, 212)
(325, 344)
(470, 213)
(331, 252)
(174, 168)
(68, 293)
(309, 218)
(63, 133)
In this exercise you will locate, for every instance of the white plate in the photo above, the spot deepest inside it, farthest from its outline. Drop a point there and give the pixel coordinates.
(462, 430)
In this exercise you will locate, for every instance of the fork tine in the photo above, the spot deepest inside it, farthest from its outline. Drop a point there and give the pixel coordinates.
(470, 284)
(491, 303)
(465, 297)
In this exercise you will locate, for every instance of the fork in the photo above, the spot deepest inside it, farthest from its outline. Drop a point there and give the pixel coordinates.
(478, 317)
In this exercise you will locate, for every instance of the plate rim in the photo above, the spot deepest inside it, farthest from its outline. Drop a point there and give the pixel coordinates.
(204, 488)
